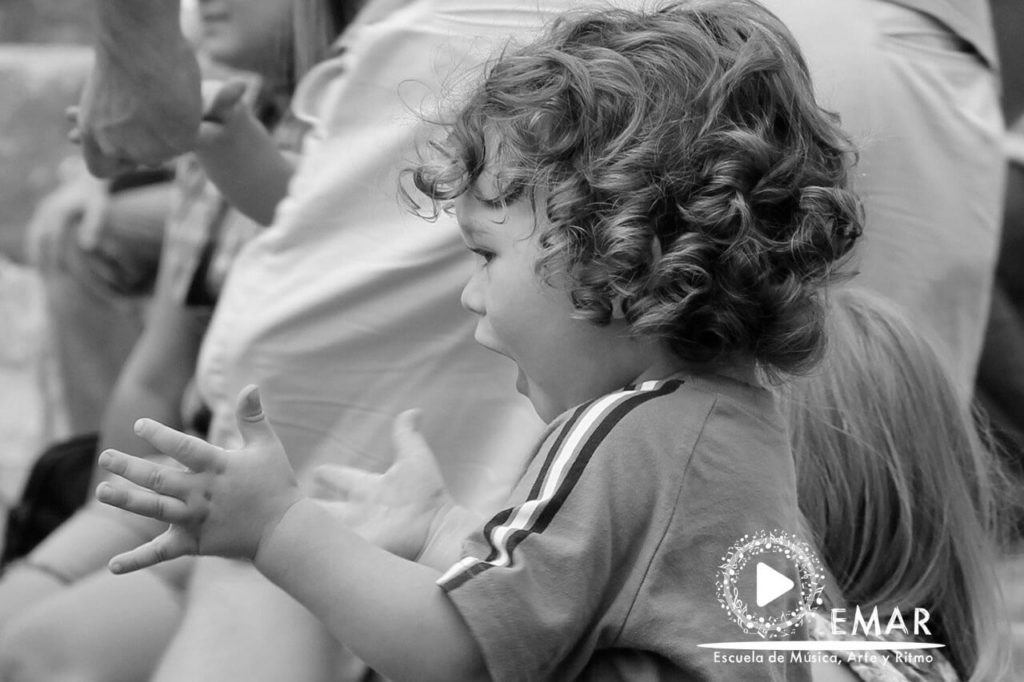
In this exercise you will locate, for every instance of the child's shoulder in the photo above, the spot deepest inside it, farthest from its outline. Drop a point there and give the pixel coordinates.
(689, 405)
(674, 418)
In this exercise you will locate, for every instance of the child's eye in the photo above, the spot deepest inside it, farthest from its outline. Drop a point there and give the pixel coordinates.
(484, 253)
(511, 195)
(495, 203)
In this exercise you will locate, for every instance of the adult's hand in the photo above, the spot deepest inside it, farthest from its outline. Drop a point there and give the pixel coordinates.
(78, 207)
(141, 104)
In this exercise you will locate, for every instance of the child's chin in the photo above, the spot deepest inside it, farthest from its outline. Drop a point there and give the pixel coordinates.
(541, 405)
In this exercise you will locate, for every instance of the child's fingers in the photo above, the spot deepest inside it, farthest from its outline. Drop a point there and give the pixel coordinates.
(195, 453)
(158, 478)
(144, 503)
(169, 545)
(336, 482)
(252, 422)
(220, 98)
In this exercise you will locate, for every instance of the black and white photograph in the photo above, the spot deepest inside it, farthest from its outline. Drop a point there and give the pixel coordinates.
(511, 340)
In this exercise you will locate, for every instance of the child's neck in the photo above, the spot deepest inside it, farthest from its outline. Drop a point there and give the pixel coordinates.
(667, 366)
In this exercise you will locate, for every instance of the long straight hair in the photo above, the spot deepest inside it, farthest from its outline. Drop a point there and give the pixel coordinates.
(316, 24)
(896, 484)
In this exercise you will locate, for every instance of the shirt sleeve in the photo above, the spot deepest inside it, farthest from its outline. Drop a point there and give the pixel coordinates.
(543, 582)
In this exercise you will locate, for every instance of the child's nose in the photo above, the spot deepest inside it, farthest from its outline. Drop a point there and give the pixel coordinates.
(471, 298)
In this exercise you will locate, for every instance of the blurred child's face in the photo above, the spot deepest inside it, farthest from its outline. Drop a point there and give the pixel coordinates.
(563, 361)
(254, 35)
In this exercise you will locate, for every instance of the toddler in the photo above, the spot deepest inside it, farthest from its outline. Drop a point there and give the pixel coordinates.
(655, 202)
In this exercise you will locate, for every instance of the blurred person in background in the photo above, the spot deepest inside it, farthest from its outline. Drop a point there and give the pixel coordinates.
(57, 615)
(916, 84)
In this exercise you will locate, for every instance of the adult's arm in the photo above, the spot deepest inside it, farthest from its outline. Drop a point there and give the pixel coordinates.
(141, 103)
(151, 384)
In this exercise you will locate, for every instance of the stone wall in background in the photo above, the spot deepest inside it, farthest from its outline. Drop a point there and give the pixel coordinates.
(43, 60)
(45, 21)
(38, 83)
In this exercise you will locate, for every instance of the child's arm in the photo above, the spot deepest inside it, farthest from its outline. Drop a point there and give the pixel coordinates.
(246, 504)
(239, 155)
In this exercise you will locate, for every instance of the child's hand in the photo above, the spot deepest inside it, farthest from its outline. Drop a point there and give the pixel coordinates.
(223, 104)
(223, 504)
(393, 510)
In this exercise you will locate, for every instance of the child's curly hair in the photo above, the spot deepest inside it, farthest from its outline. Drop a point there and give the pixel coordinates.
(689, 177)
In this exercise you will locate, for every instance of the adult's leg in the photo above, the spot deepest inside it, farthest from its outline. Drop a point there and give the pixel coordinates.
(97, 295)
(104, 628)
(239, 626)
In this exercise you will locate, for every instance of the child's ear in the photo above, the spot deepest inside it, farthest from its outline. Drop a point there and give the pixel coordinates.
(618, 307)
(656, 251)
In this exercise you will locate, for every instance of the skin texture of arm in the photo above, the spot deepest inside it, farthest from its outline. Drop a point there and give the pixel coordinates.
(246, 504)
(141, 104)
(154, 378)
(407, 627)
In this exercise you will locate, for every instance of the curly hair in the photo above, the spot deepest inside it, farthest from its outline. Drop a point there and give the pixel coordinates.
(688, 177)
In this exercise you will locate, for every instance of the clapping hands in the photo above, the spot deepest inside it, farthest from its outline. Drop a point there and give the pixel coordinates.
(226, 502)
(223, 503)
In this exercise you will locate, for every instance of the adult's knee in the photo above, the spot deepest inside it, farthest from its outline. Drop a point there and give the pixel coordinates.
(33, 650)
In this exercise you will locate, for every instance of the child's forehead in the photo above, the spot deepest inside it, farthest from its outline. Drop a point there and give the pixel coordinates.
(488, 183)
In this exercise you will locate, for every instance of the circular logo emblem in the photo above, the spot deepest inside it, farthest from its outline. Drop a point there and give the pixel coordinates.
(756, 583)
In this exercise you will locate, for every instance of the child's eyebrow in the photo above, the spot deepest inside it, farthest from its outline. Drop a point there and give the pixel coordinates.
(470, 231)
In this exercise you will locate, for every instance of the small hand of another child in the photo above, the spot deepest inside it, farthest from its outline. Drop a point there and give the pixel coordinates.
(224, 504)
(394, 510)
(223, 104)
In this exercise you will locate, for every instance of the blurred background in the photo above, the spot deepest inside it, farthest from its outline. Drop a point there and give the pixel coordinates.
(44, 56)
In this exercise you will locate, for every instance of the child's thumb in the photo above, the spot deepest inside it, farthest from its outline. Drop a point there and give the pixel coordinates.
(409, 442)
(219, 98)
(252, 422)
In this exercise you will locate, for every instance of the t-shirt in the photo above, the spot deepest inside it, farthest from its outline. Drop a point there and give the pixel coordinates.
(605, 565)
(970, 20)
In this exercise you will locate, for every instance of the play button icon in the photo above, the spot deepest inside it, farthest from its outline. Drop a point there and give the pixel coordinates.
(769, 581)
(771, 584)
